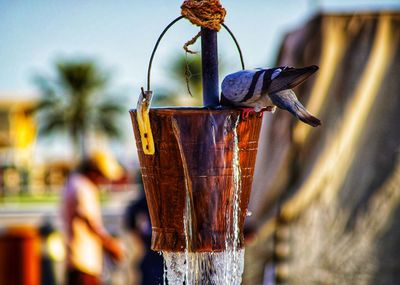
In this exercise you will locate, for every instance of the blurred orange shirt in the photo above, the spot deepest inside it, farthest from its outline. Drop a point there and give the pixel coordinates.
(84, 248)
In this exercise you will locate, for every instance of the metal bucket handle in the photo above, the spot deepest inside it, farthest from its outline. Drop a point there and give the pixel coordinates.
(144, 100)
(167, 28)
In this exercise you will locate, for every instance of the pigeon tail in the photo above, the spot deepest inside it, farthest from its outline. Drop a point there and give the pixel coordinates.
(303, 115)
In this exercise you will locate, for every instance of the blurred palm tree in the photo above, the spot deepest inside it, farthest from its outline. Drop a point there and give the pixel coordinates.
(188, 91)
(186, 69)
(72, 102)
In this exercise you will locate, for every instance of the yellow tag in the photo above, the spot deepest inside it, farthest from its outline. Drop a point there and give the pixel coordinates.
(142, 115)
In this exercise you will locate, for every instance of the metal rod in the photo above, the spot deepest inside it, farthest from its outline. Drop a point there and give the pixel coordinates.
(236, 43)
(209, 61)
(155, 48)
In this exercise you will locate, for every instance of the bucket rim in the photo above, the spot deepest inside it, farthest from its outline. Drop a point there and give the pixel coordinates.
(169, 110)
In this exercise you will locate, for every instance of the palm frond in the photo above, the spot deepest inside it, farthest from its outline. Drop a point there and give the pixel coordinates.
(50, 99)
(52, 123)
(48, 103)
(81, 78)
(110, 107)
(108, 127)
(45, 85)
(71, 103)
(188, 69)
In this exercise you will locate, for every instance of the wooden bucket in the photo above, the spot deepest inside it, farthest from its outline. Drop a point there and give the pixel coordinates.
(194, 152)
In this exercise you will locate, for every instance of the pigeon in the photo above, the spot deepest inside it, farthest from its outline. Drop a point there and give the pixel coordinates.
(257, 89)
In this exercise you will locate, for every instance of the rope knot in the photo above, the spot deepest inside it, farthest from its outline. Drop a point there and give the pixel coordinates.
(204, 13)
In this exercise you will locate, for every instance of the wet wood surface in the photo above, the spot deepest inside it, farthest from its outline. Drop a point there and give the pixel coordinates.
(194, 150)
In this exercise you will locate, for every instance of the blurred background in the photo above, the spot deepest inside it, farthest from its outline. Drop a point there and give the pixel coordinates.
(325, 201)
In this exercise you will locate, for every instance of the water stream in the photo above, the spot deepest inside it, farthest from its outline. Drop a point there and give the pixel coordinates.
(214, 268)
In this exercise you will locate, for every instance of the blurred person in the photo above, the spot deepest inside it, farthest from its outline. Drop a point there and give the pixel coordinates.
(86, 236)
(137, 222)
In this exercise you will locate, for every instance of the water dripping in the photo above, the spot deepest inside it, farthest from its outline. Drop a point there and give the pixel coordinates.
(234, 263)
(214, 268)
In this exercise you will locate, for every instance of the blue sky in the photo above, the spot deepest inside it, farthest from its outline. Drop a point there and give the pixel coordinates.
(121, 34)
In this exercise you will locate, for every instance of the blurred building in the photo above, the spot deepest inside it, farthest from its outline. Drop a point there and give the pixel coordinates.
(19, 171)
(17, 142)
(336, 185)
